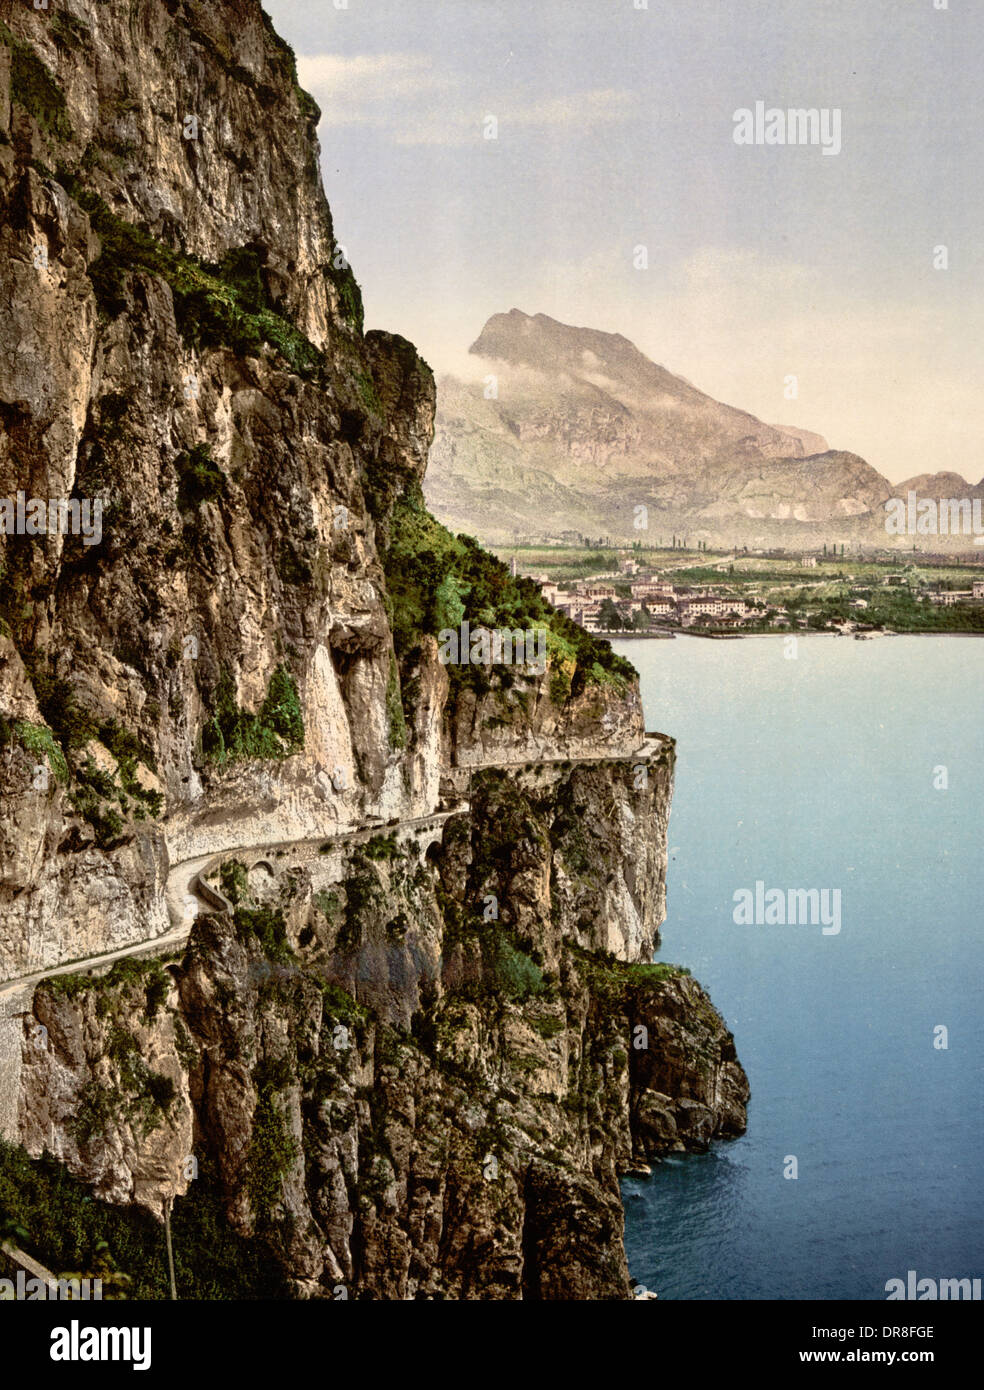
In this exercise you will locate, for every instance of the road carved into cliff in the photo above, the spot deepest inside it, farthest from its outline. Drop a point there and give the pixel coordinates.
(186, 889)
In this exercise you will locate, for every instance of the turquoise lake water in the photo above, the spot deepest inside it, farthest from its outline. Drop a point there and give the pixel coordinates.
(818, 772)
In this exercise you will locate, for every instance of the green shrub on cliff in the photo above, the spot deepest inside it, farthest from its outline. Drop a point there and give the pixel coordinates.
(72, 725)
(36, 739)
(199, 478)
(363, 895)
(382, 847)
(281, 710)
(612, 980)
(95, 1108)
(231, 734)
(130, 784)
(107, 825)
(517, 975)
(233, 880)
(271, 1152)
(267, 926)
(449, 607)
(349, 294)
(144, 1096)
(654, 973)
(69, 31)
(33, 87)
(139, 973)
(222, 305)
(394, 709)
(339, 1006)
(94, 787)
(68, 1228)
(436, 579)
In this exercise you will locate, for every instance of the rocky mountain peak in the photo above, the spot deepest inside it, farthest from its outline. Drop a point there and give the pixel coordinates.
(584, 428)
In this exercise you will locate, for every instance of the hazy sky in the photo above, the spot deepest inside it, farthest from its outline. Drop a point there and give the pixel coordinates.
(615, 130)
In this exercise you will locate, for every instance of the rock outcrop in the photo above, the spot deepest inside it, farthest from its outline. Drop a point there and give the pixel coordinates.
(389, 1060)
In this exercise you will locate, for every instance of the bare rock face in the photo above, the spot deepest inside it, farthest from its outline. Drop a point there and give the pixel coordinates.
(402, 1034)
(688, 1086)
(104, 1092)
(573, 1237)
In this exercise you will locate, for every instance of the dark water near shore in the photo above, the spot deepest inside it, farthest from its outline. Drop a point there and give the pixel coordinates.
(818, 772)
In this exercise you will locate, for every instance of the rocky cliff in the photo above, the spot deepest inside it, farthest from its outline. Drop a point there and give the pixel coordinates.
(387, 1026)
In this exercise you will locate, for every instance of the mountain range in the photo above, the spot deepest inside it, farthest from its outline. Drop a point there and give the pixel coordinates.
(568, 429)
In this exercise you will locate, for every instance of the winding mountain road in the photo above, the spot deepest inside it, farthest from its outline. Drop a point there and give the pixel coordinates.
(186, 890)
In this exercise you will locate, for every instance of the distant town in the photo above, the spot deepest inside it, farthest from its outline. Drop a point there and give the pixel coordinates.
(656, 592)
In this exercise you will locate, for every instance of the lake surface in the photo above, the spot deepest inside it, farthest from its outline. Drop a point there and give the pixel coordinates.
(818, 772)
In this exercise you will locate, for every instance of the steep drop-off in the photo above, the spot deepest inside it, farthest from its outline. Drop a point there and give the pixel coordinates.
(411, 1037)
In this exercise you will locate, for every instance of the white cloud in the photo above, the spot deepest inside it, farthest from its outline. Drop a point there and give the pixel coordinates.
(417, 104)
(357, 90)
(462, 125)
(601, 106)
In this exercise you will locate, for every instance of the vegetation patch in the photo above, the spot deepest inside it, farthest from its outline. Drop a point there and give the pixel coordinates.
(131, 973)
(272, 1150)
(69, 31)
(339, 1005)
(327, 903)
(223, 305)
(61, 1223)
(267, 926)
(611, 980)
(199, 478)
(234, 881)
(231, 734)
(33, 87)
(363, 893)
(394, 709)
(40, 742)
(97, 1107)
(516, 974)
(383, 847)
(72, 725)
(436, 580)
(145, 1098)
(96, 787)
(107, 825)
(656, 973)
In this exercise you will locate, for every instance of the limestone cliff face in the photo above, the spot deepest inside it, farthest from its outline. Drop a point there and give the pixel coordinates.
(236, 535)
(411, 1038)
